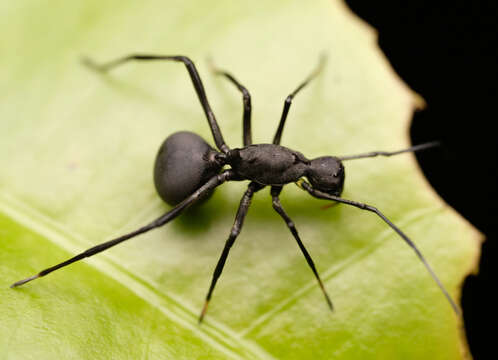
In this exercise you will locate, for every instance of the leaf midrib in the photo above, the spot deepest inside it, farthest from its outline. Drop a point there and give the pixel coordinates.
(213, 333)
(411, 218)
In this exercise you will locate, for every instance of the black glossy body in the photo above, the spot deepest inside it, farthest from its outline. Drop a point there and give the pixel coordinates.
(268, 164)
(183, 164)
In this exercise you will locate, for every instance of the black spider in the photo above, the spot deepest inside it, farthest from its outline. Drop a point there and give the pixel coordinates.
(187, 170)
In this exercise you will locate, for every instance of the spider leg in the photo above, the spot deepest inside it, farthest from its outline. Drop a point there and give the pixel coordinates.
(194, 75)
(414, 148)
(288, 100)
(170, 215)
(246, 101)
(362, 206)
(245, 202)
(275, 192)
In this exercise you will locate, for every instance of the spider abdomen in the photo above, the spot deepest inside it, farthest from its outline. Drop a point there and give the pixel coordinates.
(183, 164)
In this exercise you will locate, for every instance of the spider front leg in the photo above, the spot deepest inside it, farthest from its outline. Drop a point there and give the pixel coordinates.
(322, 195)
(245, 202)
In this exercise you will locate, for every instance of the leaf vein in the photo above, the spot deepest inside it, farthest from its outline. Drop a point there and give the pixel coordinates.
(215, 334)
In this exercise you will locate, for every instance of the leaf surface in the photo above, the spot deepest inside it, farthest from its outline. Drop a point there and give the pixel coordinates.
(77, 150)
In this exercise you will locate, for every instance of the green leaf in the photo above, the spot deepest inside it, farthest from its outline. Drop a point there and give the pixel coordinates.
(77, 150)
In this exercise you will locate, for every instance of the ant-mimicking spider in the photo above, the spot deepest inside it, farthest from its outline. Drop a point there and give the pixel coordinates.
(188, 169)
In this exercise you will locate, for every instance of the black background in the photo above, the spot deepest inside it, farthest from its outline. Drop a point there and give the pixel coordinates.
(447, 53)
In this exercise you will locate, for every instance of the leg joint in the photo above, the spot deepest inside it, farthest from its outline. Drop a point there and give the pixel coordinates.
(234, 233)
(275, 203)
(185, 59)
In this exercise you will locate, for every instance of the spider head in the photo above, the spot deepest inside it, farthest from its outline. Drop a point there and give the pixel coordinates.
(326, 174)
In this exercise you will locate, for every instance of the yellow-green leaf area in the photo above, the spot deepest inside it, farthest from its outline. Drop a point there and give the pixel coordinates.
(77, 150)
